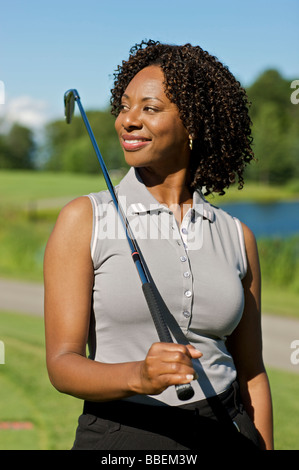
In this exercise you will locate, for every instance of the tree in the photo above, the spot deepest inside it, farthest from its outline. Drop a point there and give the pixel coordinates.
(270, 87)
(4, 154)
(70, 149)
(275, 163)
(275, 129)
(275, 132)
(17, 148)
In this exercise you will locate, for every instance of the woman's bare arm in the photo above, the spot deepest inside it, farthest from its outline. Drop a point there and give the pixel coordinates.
(245, 345)
(68, 280)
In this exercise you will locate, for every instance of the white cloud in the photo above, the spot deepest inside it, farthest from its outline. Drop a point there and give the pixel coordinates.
(25, 110)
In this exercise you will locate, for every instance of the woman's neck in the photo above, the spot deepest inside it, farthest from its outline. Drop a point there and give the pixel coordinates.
(171, 190)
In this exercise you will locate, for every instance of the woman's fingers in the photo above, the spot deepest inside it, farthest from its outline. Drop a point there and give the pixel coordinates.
(167, 364)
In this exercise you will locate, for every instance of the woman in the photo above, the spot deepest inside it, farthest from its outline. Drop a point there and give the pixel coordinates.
(182, 121)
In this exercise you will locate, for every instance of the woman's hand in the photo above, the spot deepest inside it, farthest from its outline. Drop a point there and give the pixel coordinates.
(165, 364)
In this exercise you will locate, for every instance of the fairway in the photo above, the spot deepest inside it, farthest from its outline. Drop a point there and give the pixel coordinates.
(28, 398)
(49, 189)
(33, 415)
(26, 395)
(22, 188)
(30, 202)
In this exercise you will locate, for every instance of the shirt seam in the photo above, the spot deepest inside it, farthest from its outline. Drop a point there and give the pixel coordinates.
(242, 244)
(95, 226)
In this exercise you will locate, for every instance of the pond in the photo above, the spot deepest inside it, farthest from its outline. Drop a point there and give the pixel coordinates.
(279, 219)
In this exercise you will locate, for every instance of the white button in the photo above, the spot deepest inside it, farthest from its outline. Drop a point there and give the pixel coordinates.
(183, 258)
(186, 314)
(188, 293)
(187, 274)
(184, 230)
(179, 242)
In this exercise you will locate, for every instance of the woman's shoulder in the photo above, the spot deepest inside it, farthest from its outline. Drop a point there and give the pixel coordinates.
(81, 207)
(249, 236)
(250, 242)
(71, 234)
(78, 209)
(74, 221)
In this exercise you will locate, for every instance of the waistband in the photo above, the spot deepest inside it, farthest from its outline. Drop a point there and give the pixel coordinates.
(222, 408)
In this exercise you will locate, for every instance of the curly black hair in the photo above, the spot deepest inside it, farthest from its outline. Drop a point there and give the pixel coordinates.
(213, 107)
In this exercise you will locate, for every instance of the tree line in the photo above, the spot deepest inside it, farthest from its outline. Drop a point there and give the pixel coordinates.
(275, 129)
(67, 148)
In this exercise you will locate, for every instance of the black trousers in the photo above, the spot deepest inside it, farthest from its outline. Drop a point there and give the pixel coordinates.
(218, 423)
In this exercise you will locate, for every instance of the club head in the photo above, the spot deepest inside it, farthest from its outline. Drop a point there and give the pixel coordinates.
(69, 104)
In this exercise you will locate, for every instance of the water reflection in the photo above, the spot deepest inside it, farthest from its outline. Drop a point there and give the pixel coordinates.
(279, 219)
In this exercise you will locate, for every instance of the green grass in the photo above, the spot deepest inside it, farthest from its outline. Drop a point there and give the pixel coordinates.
(34, 190)
(285, 390)
(30, 203)
(255, 192)
(279, 301)
(22, 245)
(27, 395)
(29, 188)
(29, 206)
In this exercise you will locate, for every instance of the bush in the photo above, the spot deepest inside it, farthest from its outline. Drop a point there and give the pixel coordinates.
(279, 260)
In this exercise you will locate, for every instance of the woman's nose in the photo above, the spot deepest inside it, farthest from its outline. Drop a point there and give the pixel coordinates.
(132, 119)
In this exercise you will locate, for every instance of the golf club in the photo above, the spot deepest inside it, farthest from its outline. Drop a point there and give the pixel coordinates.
(184, 391)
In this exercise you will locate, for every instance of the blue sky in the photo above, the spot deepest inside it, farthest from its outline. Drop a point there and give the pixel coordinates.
(47, 47)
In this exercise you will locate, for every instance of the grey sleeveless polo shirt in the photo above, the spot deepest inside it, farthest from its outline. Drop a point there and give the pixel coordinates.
(197, 268)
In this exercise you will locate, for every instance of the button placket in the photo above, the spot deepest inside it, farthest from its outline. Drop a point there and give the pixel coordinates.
(187, 290)
(187, 297)
(186, 272)
(179, 239)
(184, 229)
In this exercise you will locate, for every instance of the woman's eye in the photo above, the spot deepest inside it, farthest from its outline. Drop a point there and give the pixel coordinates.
(150, 108)
(123, 107)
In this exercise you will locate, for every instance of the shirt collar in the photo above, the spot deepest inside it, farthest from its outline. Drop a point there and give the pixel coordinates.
(135, 198)
(202, 207)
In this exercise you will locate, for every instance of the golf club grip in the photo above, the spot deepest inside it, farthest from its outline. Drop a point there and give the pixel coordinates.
(184, 391)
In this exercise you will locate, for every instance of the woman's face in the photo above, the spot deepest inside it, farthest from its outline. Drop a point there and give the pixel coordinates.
(149, 127)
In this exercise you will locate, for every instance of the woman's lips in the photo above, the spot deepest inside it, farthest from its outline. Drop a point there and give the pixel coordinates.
(134, 142)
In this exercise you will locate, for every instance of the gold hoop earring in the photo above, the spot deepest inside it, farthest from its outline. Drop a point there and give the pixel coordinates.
(190, 144)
